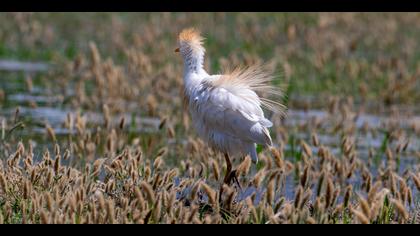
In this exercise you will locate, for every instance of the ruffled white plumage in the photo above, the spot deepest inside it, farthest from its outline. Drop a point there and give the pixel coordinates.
(229, 118)
(226, 110)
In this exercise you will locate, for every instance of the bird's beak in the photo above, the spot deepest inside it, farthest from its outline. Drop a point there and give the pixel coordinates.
(177, 50)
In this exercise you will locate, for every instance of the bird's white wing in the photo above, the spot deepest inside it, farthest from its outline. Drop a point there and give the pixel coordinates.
(235, 112)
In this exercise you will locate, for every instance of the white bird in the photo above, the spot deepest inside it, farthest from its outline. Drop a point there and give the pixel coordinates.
(225, 109)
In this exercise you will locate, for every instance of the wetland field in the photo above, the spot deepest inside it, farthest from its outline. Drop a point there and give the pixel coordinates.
(93, 127)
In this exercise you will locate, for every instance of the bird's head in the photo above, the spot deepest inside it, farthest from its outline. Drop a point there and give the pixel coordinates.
(190, 43)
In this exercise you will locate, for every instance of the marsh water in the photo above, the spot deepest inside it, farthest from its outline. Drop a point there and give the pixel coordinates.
(38, 107)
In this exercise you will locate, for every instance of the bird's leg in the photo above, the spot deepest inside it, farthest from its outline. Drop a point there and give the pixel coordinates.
(230, 174)
(227, 178)
(235, 178)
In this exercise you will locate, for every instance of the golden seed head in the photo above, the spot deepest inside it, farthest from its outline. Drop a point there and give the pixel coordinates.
(210, 193)
(400, 209)
(149, 192)
(361, 217)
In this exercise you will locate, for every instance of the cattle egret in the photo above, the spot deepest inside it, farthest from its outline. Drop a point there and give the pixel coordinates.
(225, 109)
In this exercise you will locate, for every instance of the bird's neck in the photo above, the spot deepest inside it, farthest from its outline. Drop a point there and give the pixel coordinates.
(194, 72)
(193, 62)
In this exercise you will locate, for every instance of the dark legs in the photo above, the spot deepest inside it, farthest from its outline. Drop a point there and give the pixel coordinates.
(229, 175)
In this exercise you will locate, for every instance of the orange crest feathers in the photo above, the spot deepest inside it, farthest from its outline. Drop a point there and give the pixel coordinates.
(190, 35)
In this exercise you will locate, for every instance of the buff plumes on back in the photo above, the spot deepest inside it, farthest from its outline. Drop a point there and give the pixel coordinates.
(257, 78)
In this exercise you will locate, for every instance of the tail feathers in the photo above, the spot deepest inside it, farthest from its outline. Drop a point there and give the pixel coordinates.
(269, 141)
(265, 122)
(253, 154)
